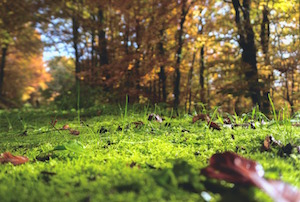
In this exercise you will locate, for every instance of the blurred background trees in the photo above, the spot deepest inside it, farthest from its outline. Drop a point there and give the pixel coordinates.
(229, 53)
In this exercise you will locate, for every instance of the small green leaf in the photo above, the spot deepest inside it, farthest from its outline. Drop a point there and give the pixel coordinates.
(60, 147)
(74, 146)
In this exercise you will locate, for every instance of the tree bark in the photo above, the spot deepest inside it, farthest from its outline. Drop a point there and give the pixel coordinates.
(265, 37)
(247, 44)
(201, 76)
(102, 40)
(162, 74)
(190, 80)
(137, 52)
(180, 41)
(93, 34)
(75, 45)
(3, 60)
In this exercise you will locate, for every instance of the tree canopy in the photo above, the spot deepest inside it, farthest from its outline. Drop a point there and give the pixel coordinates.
(186, 53)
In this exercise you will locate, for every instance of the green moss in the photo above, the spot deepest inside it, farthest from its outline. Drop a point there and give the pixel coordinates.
(151, 162)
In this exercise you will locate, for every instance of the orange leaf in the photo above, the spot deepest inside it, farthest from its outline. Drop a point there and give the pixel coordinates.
(7, 157)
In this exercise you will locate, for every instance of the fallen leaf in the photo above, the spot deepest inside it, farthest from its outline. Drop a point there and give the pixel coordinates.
(268, 141)
(239, 170)
(156, 117)
(72, 145)
(65, 127)
(227, 121)
(7, 157)
(74, 132)
(213, 125)
(202, 117)
(138, 123)
(290, 193)
(231, 167)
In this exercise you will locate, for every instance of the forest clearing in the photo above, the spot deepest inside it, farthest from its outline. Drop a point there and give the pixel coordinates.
(149, 100)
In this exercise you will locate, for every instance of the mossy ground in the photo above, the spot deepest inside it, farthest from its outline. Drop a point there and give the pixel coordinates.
(150, 162)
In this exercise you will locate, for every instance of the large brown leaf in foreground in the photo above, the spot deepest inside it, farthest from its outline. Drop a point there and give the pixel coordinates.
(233, 168)
(7, 157)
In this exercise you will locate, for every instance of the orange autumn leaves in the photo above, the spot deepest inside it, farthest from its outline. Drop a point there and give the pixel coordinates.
(7, 157)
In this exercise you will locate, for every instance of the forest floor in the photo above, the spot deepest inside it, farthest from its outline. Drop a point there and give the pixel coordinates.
(119, 155)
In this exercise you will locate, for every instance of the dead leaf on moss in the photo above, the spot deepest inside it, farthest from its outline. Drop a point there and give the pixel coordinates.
(74, 132)
(65, 127)
(233, 168)
(7, 157)
(214, 125)
(268, 142)
(138, 123)
(155, 117)
(202, 117)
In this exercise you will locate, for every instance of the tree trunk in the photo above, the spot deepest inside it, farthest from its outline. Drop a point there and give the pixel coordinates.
(93, 34)
(126, 35)
(189, 86)
(137, 52)
(180, 41)
(265, 37)
(201, 76)
(77, 64)
(3, 60)
(75, 45)
(247, 44)
(102, 41)
(162, 74)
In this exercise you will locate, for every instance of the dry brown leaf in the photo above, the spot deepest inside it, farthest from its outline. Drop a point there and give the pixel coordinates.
(202, 117)
(7, 157)
(65, 127)
(213, 125)
(233, 168)
(74, 132)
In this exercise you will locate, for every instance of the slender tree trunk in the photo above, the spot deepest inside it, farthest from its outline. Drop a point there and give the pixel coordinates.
(102, 40)
(162, 74)
(207, 90)
(201, 76)
(247, 43)
(3, 60)
(137, 51)
(265, 37)
(189, 85)
(180, 41)
(93, 36)
(75, 45)
(126, 35)
(77, 64)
